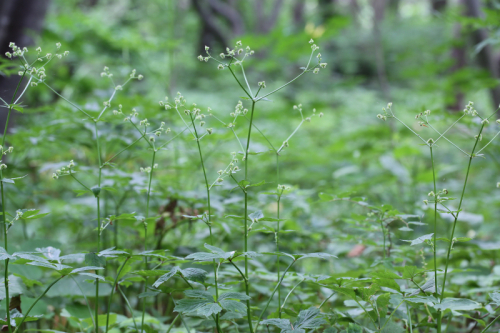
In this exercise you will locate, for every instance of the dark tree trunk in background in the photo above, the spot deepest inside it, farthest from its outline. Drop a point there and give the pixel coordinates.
(485, 58)
(211, 33)
(298, 14)
(265, 23)
(379, 7)
(326, 9)
(459, 56)
(19, 21)
(438, 6)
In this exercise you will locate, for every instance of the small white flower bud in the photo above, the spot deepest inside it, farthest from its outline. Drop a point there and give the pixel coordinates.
(118, 87)
(38, 49)
(207, 48)
(222, 55)
(238, 43)
(323, 65)
(65, 53)
(316, 71)
(311, 41)
(140, 77)
(9, 55)
(200, 57)
(220, 67)
(210, 130)
(320, 114)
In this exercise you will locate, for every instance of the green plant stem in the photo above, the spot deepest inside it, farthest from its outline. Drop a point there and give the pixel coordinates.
(393, 312)
(36, 301)
(146, 232)
(209, 219)
(409, 318)
(129, 307)
(490, 324)
(111, 294)
(245, 231)
(6, 269)
(173, 322)
(383, 233)
(326, 300)
(471, 156)
(98, 227)
(434, 250)
(84, 297)
(274, 291)
(289, 293)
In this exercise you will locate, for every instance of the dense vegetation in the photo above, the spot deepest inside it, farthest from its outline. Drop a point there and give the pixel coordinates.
(329, 186)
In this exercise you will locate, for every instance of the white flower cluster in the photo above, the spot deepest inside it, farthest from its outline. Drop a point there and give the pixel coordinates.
(387, 112)
(64, 170)
(36, 72)
(4, 152)
(231, 53)
(469, 109)
(228, 171)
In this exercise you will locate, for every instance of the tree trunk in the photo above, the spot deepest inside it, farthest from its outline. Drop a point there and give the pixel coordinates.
(485, 57)
(378, 17)
(18, 20)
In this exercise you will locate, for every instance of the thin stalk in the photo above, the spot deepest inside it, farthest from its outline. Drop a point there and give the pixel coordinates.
(471, 156)
(146, 231)
(383, 233)
(111, 294)
(435, 221)
(6, 270)
(490, 324)
(25, 315)
(173, 322)
(393, 312)
(129, 307)
(209, 222)
(245, 231)
(98, 227)
(278, 202)
(290, 292)
(409, 318)
(86, 301)
(274, 291)
(323, 303)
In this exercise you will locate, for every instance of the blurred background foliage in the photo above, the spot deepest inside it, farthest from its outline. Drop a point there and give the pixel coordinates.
(425, 54)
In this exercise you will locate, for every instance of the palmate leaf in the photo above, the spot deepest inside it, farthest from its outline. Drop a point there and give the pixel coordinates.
(419, 240)
(189, 305)
(495, 298)
(166, 277)
(309, 319)
(233, 306)
(209, 309)
(199, 294)
(284, 324)
(4, 255)
(234, 295)
(194, 274)
(458, 304)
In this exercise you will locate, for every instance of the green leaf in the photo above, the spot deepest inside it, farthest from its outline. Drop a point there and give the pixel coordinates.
(164, 278)
(420, 239)
(7, 180)
(458, 304)
(194, 274)
(309, 319)
(233, 306)
(255, 216)
(199, 294)
(209, 309)
(284, 324)
(235, 295)
(495, 298)
(189, 305)
(203, 256)
(92, 259)
(320, 255)
(149, 293)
